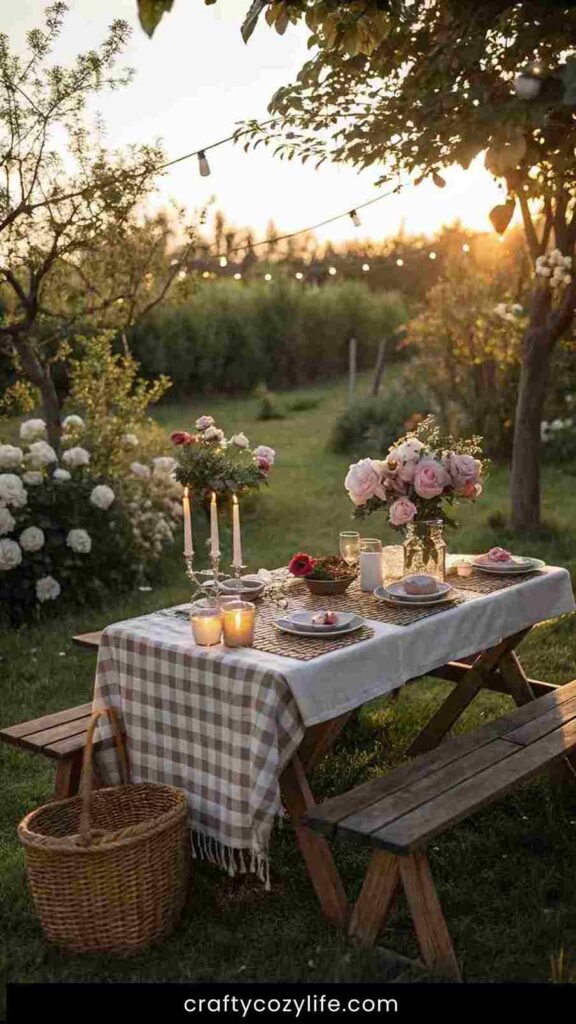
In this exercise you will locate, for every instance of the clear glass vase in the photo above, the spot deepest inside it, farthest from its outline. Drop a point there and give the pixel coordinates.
(425, 548)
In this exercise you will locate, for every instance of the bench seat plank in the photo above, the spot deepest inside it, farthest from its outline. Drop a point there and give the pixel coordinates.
(43, 741)
(16, 733)
(327, 816)
(376, 816)
(415, 829)
(541, 726)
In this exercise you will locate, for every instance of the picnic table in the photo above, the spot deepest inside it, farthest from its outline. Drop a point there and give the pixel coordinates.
(240, 730)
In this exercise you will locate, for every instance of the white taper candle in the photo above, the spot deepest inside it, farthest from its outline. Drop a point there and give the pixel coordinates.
(214, 536)
(188, 548)
(236, 536)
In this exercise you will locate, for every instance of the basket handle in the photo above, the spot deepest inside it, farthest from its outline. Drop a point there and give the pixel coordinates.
(86, 776)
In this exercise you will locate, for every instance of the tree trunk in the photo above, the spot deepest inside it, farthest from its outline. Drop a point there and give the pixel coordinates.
(525, 482)
(39, 375)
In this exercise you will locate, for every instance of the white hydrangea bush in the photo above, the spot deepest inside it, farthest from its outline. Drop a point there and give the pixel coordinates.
(66, 534)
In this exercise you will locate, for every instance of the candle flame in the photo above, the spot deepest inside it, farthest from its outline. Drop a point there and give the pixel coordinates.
(213, 497)
(234, 499)
(186, 491)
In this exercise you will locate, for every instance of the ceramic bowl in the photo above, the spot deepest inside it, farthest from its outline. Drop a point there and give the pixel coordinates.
(326, 587)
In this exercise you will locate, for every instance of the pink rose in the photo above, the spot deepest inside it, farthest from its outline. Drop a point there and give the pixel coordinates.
(203, 422)
(364, 481)
(430, 478)
(263, 451)
(402, 512)
(463, 471)
(263, 464)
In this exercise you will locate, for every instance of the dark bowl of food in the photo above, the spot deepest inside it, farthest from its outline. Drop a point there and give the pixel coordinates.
(321, 587)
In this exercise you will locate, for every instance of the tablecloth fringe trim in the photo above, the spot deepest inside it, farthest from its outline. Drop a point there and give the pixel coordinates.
(233, 861)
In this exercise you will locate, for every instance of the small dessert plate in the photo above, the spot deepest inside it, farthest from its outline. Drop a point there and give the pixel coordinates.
(287, 626)
(304, 620)
(517, 565)
(247, 587)
(414, 601)
(396, 590)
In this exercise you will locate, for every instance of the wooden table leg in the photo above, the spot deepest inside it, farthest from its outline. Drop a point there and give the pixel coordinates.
(323, 873)
(466, 689)
(319, 739)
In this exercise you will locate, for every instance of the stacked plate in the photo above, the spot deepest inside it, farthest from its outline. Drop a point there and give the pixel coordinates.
(302, 624)
(517, 564)
(395, 594)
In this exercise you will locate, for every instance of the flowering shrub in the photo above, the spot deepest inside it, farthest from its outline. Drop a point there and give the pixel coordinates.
(329, 567)
(207, 462)
(67, 534)
(559, 435)
(421, 471)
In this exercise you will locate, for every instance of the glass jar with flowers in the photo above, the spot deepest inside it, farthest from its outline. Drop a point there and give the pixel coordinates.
(423, 475)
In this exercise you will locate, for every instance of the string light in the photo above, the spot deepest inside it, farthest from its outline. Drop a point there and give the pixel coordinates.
(431, 255)
(332, 271)
(206, 273)
(203, 165)
(365, 267)
(355, 218)
(298, 276)
(223, 261)
(400, 263)
(237, 276)
(465, 247)
(267, 277)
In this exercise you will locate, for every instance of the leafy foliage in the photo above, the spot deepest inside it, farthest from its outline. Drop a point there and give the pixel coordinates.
(371, 426)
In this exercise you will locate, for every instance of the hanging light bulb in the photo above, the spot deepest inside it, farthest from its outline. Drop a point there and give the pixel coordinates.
(431, 255)
(267, 277)
(298, 275)
(355, 218)
(206, 273)
(465, 247)
(203, 165)
(238, 276)
(400, 262)
(365, 267)
(223, 261)
(332, 271)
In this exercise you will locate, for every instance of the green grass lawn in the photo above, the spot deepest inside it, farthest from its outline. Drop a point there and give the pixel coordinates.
(506, 878)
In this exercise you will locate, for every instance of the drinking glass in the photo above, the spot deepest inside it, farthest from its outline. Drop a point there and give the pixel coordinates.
(350, 546)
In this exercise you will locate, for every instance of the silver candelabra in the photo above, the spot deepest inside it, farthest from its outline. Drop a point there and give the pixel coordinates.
(208, 581)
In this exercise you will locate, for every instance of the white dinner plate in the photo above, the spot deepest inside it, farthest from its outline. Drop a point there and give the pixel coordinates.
(503, 569)
(303, 620)
(285, 627)
(383, 594)
(396, 590)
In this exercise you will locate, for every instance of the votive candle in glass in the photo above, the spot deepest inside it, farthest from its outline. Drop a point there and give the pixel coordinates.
(371, 567)
(206, 625)
(238, 619)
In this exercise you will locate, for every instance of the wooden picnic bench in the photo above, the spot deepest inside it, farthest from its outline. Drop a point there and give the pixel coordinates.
(59, 736)
(402, 811)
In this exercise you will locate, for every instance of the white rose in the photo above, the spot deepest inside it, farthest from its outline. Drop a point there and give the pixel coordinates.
(10, 554)
(41, 454)
(12, 491)
(7, 521)
(73, 423)
(102, 496)
(214, 434)
(163, 465)
(47, 588)
(32, 539)
(76, 457)
(33, 478)
(31, 430)
(10, 456)
(130, 441)
(264, 452)
(406, 455)
(80, 541)
(240, 441)
(140, 470)
(203, 422)
(61, 476)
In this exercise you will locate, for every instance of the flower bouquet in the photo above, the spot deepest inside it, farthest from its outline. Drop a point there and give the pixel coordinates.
(208, 463)
(422, 475)
(327, 575)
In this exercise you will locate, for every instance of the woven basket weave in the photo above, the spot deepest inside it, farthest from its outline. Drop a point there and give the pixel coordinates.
(108, 869)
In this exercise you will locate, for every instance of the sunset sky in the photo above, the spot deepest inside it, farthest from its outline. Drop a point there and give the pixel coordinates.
(196, 79)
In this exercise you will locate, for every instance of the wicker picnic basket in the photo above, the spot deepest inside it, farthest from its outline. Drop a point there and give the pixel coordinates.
(108, 868)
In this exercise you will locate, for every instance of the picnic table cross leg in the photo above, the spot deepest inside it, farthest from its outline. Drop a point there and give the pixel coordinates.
(298, 799)
(487, 665)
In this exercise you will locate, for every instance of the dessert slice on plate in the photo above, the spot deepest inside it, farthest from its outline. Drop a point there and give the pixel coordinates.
(416, 590)
(498, 560)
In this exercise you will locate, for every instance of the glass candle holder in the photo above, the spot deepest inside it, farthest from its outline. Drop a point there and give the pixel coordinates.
(371, 567)
(238, 618)
(206, 622)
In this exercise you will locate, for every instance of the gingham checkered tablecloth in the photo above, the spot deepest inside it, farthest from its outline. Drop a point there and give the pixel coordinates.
(211, 723)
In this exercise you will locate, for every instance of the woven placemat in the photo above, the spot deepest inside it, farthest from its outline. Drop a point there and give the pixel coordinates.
(487, 583)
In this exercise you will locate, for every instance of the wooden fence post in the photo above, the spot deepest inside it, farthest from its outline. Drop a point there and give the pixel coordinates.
(351, 370)
(378, 369)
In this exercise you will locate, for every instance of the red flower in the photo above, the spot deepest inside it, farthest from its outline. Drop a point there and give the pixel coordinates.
(183, 437)
(301, 564)
(264, 465)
